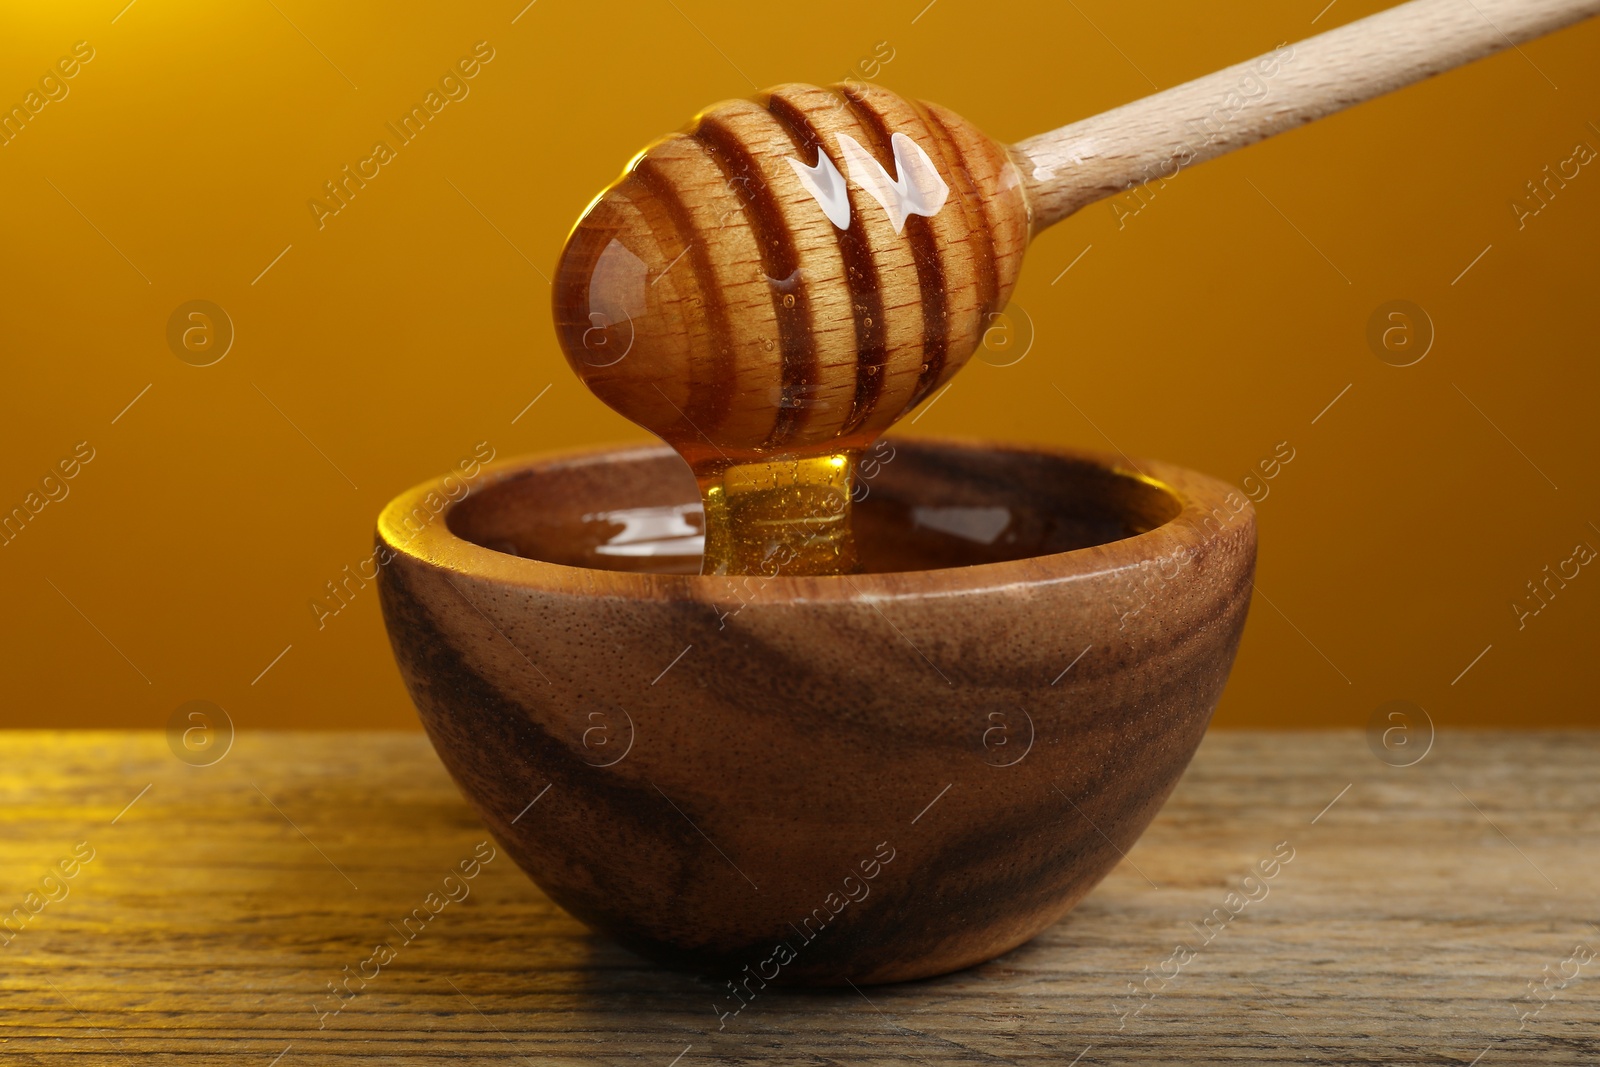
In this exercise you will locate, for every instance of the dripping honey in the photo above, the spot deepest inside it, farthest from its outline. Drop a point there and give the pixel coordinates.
(788, 515)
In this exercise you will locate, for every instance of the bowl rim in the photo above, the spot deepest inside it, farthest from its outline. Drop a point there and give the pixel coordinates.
(436, 547)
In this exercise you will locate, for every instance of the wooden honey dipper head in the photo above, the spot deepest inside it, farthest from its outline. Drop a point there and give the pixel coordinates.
(771, 288)
(791, 273)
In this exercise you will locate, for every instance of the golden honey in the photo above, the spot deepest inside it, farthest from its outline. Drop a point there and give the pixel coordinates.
(786, 516)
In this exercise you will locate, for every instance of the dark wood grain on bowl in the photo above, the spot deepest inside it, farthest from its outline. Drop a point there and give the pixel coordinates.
(872, 778)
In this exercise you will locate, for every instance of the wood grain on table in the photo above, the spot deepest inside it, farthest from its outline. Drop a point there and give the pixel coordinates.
(220, 903)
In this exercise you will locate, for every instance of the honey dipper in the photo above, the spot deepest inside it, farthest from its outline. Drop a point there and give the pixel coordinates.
(773, 287)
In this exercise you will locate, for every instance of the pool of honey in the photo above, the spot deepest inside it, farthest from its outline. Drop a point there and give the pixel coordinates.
(919, 505)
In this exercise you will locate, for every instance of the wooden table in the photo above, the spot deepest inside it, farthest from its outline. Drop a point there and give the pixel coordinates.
(220, 902)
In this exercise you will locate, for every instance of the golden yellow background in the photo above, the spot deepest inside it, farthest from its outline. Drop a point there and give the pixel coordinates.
(378, 350)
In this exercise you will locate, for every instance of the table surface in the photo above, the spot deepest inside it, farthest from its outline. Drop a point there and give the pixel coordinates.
(220, 903)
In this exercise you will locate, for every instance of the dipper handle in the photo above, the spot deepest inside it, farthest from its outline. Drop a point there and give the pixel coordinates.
(1072, 167)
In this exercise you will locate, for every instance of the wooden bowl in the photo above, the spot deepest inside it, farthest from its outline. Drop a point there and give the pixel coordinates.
(872, 778)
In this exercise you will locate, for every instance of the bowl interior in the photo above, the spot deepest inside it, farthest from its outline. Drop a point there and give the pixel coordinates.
(920, 505)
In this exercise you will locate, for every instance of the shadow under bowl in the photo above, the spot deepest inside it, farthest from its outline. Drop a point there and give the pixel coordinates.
(877, 777)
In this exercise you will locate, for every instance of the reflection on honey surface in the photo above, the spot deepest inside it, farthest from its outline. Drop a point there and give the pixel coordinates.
(648, 532)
